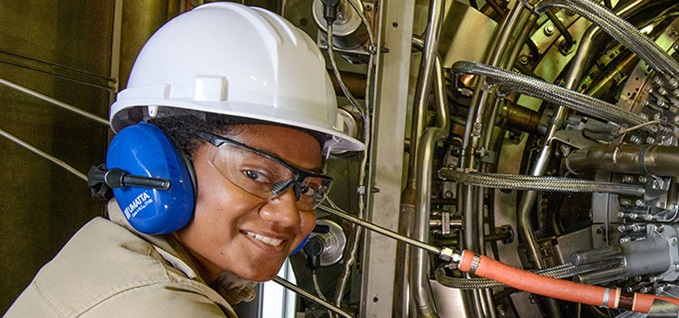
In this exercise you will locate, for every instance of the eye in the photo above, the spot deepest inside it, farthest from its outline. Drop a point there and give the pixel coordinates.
(256, 176)
(306, 190)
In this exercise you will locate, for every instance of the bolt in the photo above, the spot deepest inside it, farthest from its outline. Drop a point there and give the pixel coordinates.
(635, 139)
(675, 266)
(523, 59)
(657, 184)
(639, 202)
(660, 289)
(627, 179)
(650, 140)
(625, 202)
(549, 30)
(448, 194)
(673, 241)
(642, 179)
(657, 80)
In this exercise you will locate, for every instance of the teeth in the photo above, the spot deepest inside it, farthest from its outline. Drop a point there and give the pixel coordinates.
(265, 239)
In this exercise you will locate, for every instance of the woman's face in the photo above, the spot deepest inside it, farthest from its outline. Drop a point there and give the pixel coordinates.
(238, 232)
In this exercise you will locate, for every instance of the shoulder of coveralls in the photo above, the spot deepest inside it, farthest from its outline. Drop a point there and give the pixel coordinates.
(107, 271)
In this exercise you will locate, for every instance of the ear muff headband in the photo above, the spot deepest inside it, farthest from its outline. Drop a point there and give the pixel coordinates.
(144, 150)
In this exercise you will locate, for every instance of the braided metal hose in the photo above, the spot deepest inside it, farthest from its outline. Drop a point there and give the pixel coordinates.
(619, 29)
(551, 93)
(552, 184)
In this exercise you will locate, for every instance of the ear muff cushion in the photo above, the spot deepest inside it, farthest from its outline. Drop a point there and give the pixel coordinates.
(144, 150)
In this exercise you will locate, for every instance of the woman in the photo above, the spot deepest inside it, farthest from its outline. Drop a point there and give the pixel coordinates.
(215, 172)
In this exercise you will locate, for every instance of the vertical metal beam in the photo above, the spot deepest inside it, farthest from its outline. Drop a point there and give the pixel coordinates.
(391, 96)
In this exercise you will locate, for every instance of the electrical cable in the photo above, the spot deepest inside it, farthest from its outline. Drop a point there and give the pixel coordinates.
(335, 69)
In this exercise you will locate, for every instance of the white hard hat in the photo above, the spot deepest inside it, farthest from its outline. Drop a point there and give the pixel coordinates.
(235, 60)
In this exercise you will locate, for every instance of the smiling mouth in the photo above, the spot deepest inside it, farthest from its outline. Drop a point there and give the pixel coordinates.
(268, 240)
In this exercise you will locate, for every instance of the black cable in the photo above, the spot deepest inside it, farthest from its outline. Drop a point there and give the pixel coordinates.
(562, 29)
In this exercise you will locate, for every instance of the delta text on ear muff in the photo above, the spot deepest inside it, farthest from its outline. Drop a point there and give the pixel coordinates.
(143, 150)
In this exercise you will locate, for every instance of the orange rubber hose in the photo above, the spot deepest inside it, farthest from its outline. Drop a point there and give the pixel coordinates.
(556, 288)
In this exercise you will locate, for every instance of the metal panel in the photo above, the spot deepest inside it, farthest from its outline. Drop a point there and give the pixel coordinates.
(379, 260)
(63, 50)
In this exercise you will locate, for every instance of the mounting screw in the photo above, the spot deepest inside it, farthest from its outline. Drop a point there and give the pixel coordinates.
(549, 30)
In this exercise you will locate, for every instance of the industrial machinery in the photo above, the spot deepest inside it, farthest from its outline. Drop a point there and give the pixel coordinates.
(542, 134)
(539, 133)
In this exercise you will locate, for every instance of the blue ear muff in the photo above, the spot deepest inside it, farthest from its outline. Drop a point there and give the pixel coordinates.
(143, 150)
(301, 245)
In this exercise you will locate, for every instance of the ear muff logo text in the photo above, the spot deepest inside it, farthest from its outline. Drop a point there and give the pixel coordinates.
(137, 205)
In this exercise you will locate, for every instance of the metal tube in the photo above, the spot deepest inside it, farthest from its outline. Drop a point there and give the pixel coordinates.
(53, 101)
(578, 64)
(472, 138)
(381, 230)
(560, 27)
(619, 29)
(43, 154)
(311, 297)
(419, 284)
(640, 159)
(551, 93)
(553, 184)
(419, 275)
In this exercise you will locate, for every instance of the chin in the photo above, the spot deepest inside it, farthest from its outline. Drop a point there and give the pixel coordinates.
(260, 276)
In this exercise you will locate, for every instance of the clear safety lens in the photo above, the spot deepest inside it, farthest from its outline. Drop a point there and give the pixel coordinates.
(264, 175)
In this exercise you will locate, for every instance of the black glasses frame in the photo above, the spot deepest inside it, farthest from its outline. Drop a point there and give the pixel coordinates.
(278, 188)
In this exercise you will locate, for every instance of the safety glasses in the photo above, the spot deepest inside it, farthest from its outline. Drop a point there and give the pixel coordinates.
(263, 174)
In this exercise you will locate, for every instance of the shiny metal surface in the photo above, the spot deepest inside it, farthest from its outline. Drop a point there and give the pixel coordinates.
(516, 132)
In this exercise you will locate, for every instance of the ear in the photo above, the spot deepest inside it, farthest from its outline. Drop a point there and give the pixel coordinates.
(143, 150)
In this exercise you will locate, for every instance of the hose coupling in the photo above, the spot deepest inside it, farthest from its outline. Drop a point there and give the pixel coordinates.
(449, 255)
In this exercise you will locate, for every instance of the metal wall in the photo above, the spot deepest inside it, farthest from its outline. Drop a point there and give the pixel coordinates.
(61, 49)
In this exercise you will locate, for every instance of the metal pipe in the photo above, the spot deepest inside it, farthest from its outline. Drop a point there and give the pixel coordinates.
(43, 154)
(551, 93)
(482, 303)
(422, 88)
(578, 64)
(419, 284)
(580, 61)
(561, 28)
(53, 101)
(311, 297)
(379, 229)
(657, 160)
(364, 177)
(619, 29)
(553, 184)
(419, 272)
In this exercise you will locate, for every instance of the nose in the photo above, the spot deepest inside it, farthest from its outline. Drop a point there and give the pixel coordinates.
(282, 210)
